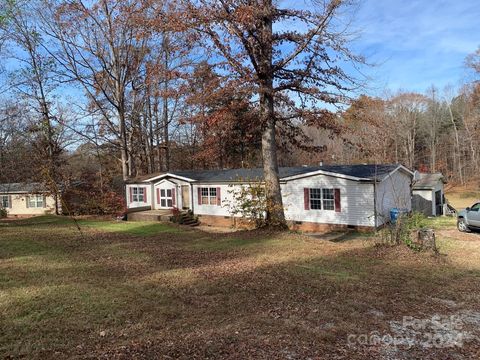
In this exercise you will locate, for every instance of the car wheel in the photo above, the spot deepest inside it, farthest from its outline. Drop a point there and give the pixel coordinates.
(462, 225)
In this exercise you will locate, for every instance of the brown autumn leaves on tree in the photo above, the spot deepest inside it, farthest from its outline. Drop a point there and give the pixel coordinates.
(431, 132)
(291, 70)
(203, 84)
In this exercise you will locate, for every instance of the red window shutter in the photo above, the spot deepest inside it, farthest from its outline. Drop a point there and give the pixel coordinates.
(144, 195)
(219, 197)
(131, 194)
(199, 196)
(306, 198)
(158, 195)
(173, 197)
(338, 203)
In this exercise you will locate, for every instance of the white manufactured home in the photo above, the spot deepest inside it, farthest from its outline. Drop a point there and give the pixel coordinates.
(315, 198)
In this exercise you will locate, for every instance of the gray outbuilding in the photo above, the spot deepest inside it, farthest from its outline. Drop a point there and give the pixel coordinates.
(428, 195)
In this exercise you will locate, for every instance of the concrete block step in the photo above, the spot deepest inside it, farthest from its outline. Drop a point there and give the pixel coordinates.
(143, 217)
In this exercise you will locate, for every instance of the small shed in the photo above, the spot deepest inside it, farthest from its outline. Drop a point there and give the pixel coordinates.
(428, 195)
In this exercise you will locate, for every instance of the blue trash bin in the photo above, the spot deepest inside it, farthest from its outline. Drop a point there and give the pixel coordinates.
(395, 213)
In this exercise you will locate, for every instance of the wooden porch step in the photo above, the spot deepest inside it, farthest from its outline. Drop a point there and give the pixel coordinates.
(187, 219)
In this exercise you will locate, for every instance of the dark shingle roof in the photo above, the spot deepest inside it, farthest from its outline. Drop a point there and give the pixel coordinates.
(13, 188)
(428, 181)
(367, 172)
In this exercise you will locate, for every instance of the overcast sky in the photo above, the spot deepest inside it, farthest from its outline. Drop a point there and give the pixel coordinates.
(417, 43)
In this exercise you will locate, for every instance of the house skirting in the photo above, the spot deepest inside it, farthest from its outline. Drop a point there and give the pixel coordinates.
(224, 221)
(303, 226)
(313, 227)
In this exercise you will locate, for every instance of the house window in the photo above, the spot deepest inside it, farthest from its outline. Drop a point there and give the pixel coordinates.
(208, 196)
(4, 202)
(138, 194)
(204, 196)
(35, 201)
(322, 199)
(316, 199)
(166, 199)
(328, 198)
(213, 196)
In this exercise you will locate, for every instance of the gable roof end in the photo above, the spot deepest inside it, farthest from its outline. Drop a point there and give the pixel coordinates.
(428, 181)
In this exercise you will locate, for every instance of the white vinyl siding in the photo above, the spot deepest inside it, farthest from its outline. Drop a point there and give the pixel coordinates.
(135, 196)
(356, 201)
(167, 194)
(212, 207)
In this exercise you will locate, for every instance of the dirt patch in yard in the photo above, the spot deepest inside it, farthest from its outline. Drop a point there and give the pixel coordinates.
(460, 236)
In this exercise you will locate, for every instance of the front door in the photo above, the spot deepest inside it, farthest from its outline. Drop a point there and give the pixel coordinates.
(166, 198)
(185, 197)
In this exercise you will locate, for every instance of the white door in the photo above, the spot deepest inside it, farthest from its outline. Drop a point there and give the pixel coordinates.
(166, 198)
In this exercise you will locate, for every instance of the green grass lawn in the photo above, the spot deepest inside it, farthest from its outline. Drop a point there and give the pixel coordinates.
(442, 222)
(139, 228)
(151, 290)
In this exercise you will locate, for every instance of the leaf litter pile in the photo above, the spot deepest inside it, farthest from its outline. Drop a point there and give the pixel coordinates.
(159, 291)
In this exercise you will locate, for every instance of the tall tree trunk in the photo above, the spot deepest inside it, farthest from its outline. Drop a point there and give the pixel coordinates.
(433, 156)
(166, 139)
(124, 146)
(456, 151)
(151, 157)
(47, 128)
(275, 212)
(157, 134)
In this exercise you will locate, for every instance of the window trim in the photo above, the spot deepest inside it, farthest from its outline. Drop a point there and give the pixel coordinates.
(138, 196)
(328, 199)
(33, 201)
(2, 199)
(205, 195)
(317, 195)
(208, 196)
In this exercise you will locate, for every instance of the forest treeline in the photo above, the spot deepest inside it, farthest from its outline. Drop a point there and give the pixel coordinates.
(97, 92)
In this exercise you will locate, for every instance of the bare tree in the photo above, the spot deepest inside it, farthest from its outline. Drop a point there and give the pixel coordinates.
(101, 49)
(34, 81)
